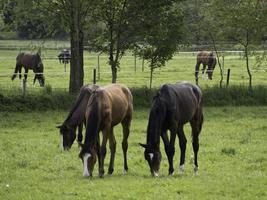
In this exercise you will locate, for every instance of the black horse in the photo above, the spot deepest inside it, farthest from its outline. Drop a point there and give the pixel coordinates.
(64, 56)
(205, 58)
(29, 61)
(76, 118)
(173, 106)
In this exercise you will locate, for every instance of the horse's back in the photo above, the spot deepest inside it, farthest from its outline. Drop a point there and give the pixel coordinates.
(184, 99)
(28, 60)
(203, 57)
(120, 102)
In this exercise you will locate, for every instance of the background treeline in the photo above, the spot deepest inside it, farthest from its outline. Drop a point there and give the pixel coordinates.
(30, 19)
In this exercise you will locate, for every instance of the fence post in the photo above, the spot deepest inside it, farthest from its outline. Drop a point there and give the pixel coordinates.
(143, 62)
(228, 77)
(24, 87)
(94, 76)
(134, 62)
(98, 66)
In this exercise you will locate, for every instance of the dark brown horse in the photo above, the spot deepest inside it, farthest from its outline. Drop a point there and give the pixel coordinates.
(205, 58)
(107, 107)
(76, 118)
(173, 106)
(30, 61)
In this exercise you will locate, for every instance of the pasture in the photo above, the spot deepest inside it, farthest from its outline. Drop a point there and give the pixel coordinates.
(232, 155)
(232, 160)
(131, 72)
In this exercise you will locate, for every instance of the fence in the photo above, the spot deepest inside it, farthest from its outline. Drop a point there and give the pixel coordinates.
(133, 72)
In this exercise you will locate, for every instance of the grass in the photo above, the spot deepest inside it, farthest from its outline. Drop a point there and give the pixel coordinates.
(232, 160)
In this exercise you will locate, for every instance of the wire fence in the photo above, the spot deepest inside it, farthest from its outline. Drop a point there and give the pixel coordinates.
(133, 72)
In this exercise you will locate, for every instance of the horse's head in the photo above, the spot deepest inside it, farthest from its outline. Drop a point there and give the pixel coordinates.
(211, 65)
(88, 156)
(153, 158)
(68, 136)
(39, 71)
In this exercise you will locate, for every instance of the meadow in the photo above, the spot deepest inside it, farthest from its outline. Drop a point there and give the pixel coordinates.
(232, 155)
(232, 160)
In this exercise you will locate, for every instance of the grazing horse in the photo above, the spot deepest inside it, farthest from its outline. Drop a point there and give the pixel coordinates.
(29, 61)
(173, 106)
(205, 58)
(76, 118)
(107, 107)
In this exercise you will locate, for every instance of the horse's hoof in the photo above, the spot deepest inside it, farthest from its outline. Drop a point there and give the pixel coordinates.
(101, 175)
(195, 170)
(181, 169)
(110, 171)
(171, 172)
(125, 171)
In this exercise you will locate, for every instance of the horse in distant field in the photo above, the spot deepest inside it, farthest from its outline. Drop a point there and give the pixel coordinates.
(173, 106)
(107, 107)
(64, 56)
(30, 61)
(76, 118)
(205, 58)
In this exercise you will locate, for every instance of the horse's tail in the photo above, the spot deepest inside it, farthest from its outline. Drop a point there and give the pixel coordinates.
(199, 118)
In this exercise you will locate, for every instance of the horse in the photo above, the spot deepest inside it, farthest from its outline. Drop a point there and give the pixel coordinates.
(173, 106)
(30, 61)
(205, 58)
(64, 56)
(76, 118)
(107, 107)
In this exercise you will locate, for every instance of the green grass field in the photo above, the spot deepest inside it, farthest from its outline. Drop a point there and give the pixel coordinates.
(232, 156)
(180, 68)
(232, 160)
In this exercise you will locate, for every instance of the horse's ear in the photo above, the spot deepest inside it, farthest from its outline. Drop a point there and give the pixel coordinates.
(144, 145)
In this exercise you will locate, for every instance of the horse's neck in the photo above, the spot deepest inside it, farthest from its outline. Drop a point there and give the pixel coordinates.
(77, 114)
(93, 124)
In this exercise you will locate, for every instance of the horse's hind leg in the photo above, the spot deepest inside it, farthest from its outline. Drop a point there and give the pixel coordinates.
(126, 131)
(112, 147)
(182, 144)
(26, 73)
(196, 72)
(196, 128)
(80, 134)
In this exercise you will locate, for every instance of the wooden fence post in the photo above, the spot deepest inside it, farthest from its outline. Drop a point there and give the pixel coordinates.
(228, 77)
(134, 62)
(24, 87)
(94, 76)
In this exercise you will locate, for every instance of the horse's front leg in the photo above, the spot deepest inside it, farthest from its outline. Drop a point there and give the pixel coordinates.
(26, 74)
(169, 153)
(103, 151)
(112, 147)
(196, 72)
(80, 134)
(17, 68)
(182, 144)
(126, 131)
(203, 71)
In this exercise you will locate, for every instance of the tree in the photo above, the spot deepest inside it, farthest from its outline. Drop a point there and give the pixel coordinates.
(74, 14)
(244, 22)
(160, 31)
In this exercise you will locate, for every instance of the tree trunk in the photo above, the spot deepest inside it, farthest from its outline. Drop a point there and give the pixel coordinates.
(76, 64)
(248, 69)
(151, 75)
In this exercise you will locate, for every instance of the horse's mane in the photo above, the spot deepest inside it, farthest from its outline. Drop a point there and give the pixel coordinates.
(92, 121)
(82, 93)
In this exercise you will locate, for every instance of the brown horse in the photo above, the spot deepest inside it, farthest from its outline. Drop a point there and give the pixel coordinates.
(205, 58)
(30, 61)
(173, 106)
(107, 107)
(76, 118)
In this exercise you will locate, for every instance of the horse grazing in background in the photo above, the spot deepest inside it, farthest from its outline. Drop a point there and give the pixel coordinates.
(173, 106)
(205, 58)
(107, 107)
(30, 61)
(76, 118)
